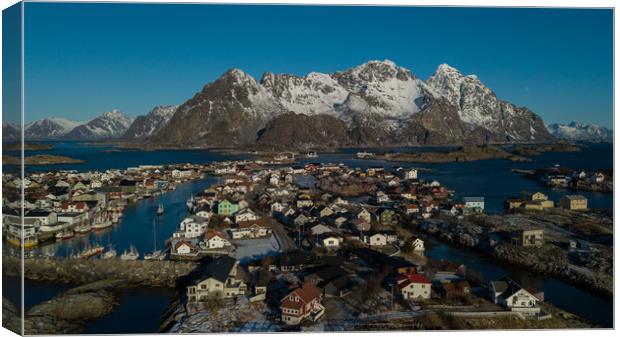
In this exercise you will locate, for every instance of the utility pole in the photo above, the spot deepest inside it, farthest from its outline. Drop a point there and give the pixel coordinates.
(392, 293)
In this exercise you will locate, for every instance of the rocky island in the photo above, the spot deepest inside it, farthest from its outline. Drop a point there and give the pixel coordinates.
(40, 159)
(462, 154)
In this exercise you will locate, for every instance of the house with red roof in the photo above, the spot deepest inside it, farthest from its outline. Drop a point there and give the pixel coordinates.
(74, 207)
(303, 303)
(414, 286)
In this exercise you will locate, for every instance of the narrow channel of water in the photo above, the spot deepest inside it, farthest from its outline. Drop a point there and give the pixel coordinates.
(594, 308)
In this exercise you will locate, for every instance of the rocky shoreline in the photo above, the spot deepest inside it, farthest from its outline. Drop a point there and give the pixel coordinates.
(544, 261)
(79, 271)
(100, 284)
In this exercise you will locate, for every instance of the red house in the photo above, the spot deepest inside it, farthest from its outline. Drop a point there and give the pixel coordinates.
(302, 303)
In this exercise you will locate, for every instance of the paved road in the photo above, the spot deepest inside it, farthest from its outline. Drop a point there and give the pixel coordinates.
(286, 243)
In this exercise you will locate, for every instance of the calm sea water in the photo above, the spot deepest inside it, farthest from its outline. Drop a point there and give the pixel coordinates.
(493, 179)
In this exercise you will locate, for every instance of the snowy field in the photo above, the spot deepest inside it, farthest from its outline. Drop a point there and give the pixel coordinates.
(255, 248)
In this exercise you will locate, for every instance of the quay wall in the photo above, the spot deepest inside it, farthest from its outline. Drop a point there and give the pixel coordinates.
(81, 271)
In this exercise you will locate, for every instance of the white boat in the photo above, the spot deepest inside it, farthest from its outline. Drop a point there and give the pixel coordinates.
(102, 221)
(64, 235)
(83, 228)
(160, 209)
(156, 254)
(110, 254)
(131, 254)
(364, 155)
(191, 203)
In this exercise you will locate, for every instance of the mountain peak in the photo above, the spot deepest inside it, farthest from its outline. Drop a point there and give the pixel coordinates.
(238, 76)
(114, 113)
(446, 70)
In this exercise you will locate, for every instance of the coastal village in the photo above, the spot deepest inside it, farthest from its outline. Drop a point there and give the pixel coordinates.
(324, 246)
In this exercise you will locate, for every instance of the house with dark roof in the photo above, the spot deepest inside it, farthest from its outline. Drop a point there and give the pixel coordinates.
(222, 278)
(510, 294)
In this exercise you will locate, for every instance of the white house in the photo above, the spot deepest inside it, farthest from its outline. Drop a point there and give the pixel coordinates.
(221, 279)
(473, 204)
(509, 294)
(216, 240)
(183, 247)
(191, 227)
(376, 239)
(245, 215)
(414, 286)
(330, 241)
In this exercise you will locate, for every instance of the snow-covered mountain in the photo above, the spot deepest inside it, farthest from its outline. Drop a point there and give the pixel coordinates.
(144, 126)
(49, 128)
(379, 102)
(111, 124)
(11, 132)
(581, 132)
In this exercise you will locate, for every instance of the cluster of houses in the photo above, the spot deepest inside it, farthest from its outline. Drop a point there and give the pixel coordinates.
(577, 180)
(60, 204)
(538, 201)
(336, 244)
(334, 239)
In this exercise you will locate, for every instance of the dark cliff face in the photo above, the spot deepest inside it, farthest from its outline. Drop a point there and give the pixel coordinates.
(147, 125)
(375, 104)
(299, 131)
(227, 112)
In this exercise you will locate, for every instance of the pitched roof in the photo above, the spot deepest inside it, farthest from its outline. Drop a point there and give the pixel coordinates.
(213, 233)
(306, 293)
(219, 269)
(261, 222)
(181, 243)
(413, 278)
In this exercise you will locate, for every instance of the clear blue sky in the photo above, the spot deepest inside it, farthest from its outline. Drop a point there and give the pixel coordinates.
(83, 59)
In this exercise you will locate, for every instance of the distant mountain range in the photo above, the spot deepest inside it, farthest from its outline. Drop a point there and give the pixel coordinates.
(109, 125)
(576, 131)
(377, 103)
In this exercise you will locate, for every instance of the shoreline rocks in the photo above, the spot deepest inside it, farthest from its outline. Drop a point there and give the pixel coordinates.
(79, 271)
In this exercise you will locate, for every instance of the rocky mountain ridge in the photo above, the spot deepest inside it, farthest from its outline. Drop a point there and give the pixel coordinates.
(576, 131)
(378, 103)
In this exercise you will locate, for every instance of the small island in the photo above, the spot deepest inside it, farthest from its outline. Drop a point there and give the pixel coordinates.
(40, 159)
(464, 153)
(27, 146)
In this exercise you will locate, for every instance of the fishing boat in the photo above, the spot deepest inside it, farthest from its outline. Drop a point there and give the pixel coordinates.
(312, 154)
(160, 209)
(28, 242)
(132, 254)
(65, 235)
(91, 251)
(101, 222)
(110, 254)
(156, 254)
(82, 229)
(191, 203)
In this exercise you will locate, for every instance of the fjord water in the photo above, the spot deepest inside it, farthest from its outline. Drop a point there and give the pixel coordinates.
(140, 310)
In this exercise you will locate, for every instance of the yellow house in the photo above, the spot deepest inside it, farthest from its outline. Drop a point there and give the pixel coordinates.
(538, 196)
(574, 202)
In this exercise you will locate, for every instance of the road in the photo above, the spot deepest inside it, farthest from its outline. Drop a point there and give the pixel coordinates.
(286, 243)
